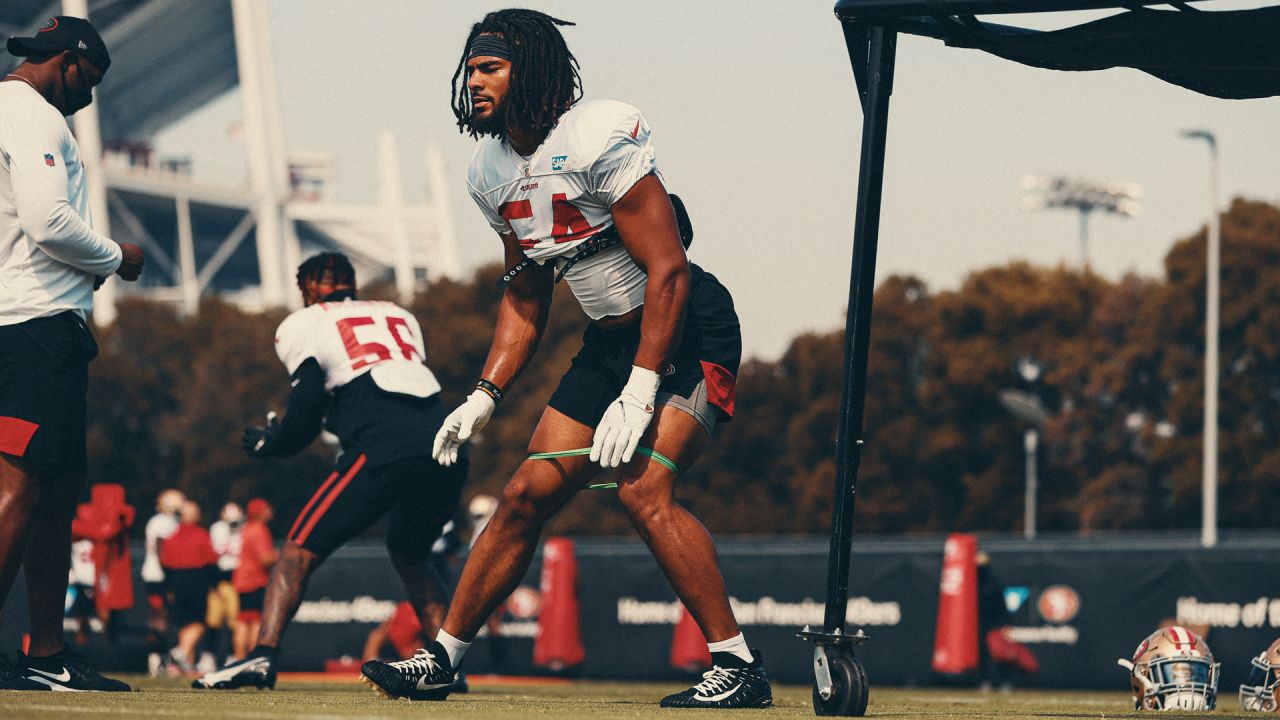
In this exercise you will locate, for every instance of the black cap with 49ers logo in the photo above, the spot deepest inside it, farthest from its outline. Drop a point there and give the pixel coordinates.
(64, 33)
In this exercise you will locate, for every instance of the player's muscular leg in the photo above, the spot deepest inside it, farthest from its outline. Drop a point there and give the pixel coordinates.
(284, 591)
(19, 493)
(679, 542)
(423, 588)
(48, 560)
(537, 491)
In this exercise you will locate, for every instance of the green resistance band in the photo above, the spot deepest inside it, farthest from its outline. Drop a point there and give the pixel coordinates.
(658, 457)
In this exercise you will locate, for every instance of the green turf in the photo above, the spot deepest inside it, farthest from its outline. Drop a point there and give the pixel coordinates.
(163, 699)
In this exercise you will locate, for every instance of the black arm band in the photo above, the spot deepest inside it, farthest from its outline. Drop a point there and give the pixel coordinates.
(490, 389)
(307, 401)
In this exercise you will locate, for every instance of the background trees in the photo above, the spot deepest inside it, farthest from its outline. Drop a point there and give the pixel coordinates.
(1122, 375)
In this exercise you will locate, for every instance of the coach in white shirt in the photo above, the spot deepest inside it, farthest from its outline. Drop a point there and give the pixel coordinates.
(51, 261)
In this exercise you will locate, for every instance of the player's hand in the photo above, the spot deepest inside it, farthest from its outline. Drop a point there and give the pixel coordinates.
(624, 423)
(470, 418)
(131, 262)
(257, 440)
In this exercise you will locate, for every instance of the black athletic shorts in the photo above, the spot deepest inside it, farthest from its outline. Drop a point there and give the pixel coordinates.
(710, 350)
(44, 373)
(252, 600)
(420, 494)
(188, 595)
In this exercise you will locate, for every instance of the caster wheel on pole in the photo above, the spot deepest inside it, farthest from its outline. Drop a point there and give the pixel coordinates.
(849, 689)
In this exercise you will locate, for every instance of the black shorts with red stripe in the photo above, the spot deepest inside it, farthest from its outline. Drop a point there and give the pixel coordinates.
(710, 349)
(44, 374)
(419, 494)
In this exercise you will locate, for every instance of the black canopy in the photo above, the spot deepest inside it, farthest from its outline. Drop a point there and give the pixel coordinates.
(1226, 54)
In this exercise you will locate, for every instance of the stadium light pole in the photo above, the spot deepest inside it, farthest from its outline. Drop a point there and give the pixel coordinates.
(1083, 196)
(1213, 256)
(1030, 409)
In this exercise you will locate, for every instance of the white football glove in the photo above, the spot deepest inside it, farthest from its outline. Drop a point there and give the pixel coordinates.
(469, 418)
(625, 421)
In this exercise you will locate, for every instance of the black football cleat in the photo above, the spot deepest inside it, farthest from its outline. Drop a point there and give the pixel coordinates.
(730, 683)
(425, 676)
(68, 671)
(12, 678)
(254, 671)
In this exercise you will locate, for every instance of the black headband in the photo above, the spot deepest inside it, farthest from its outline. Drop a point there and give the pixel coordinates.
(489, 45)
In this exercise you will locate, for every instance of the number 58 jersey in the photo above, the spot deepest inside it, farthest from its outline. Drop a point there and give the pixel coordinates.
(357, 337)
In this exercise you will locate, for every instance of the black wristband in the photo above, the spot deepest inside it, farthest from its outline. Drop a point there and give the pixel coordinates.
(490, 389)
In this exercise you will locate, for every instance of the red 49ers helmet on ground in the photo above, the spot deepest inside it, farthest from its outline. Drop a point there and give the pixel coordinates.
(1173, 669)
(1259, 693)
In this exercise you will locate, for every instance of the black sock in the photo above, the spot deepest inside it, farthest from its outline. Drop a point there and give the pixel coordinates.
(266, 651)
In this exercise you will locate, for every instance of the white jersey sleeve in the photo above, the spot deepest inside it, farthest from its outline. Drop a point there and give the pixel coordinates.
(627, 157)
(295, 341)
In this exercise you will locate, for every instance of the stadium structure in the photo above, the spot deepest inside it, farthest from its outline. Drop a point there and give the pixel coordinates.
(173, 57)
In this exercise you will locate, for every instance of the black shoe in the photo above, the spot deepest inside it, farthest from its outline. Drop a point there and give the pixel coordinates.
(67, 670)
(12, 679)
(730, 683)
(256, 670)
(460, 684)
(425, 676)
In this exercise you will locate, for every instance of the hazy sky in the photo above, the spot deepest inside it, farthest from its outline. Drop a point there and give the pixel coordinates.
(755, 119)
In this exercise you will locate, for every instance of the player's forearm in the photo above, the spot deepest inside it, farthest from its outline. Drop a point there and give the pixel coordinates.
(665, 297)
(521, 320)
(66, 237)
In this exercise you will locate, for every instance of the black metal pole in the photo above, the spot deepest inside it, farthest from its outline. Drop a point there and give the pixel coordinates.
(878, 84)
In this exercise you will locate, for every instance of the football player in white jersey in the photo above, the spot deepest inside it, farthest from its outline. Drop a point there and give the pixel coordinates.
(573, 190)
(358, 367)
(51, 261)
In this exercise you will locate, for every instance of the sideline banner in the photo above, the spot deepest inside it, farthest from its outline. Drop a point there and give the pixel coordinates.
(1078, 605)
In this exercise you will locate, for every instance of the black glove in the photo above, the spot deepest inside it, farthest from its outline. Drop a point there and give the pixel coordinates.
(257, 440)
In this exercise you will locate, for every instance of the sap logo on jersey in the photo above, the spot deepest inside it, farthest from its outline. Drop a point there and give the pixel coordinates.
(557, 162)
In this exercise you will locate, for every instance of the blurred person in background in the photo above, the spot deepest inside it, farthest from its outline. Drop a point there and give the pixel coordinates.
(105, 520)
(359, 370)
(190, 570)
(224, 602)
(158, 529)
(573, 191)
(1000, 655)
(51, 261)
(480, 511)
(80, 608)
(257, 556)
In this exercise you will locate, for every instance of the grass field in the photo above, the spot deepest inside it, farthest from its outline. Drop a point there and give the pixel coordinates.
(162, 699)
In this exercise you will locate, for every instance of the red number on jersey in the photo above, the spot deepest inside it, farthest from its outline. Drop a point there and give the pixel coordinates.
(567, 221)
(396, 325)
(362, 353)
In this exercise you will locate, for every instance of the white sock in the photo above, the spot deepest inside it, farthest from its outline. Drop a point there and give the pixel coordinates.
(453, 647)
(736, 645)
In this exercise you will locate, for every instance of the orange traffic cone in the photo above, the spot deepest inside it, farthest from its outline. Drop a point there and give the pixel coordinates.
(559, 642)
(955, 643)
(688, 645)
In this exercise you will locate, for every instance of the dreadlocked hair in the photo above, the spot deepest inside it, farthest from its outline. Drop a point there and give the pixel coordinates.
(330, 269)
(544, 74)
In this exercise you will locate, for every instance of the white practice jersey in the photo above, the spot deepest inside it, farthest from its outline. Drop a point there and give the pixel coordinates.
(82, 567)
(564, 193)
(49, 253)
(354, 337)
(158, 529)
(226, 541)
